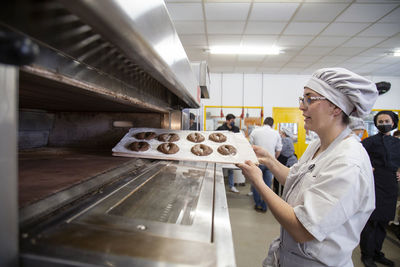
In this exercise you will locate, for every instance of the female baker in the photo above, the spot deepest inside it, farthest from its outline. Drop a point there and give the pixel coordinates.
(329, 194)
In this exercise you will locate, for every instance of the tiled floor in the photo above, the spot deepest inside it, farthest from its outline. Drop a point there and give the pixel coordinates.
(253, 231)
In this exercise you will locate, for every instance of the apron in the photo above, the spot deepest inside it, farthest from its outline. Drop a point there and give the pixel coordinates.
(385, 194)
(285, 251)
(386, 183)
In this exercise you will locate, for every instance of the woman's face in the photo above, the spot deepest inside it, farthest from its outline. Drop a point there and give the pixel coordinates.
(384, 119)
(317, 113)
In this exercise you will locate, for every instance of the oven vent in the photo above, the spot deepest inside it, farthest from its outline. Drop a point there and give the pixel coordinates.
(107, 50)
(203, 77)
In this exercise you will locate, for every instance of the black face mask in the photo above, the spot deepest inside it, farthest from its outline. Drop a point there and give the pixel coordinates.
(384, 128)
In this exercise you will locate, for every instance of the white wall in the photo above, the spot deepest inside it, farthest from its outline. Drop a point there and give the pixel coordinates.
(390, 100)
(277, 91)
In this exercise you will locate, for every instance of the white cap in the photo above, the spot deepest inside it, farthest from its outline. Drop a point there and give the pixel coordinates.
(352, 93)
(287, 132)
(356, 123)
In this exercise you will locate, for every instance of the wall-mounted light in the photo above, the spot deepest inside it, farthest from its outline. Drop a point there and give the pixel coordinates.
(245, 50)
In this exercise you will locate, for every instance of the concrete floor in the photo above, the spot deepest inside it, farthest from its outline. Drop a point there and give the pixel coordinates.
(253, 231)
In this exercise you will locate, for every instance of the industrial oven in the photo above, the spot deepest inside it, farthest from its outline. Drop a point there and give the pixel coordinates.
(76, 75)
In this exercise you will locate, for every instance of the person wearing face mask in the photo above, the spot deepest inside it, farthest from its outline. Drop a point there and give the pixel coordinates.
(357, 126)
(397, 225)
(229, 125)
(329, 193)
(384, 152)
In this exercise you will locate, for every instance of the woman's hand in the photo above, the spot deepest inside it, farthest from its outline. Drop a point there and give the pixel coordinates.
(263, 155)
(251, 171)
(260, 152)
(265, 158)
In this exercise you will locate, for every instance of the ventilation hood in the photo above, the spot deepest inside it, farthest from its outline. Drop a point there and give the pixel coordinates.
(202, 73)
(106, 51)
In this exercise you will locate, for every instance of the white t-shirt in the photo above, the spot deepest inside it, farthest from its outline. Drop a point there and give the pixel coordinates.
(267, 138)
(333, 197)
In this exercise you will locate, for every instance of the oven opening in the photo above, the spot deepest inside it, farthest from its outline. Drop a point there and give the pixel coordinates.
(65, 135)
(170, 196)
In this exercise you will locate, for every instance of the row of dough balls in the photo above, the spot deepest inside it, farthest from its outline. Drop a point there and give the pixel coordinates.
(171, 148)
(172, 137)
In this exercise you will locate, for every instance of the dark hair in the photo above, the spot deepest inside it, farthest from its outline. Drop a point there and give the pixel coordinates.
(396, 133)
(192, 116)
(345, 119)
(269, 121)
(230, 116)
(394, 116)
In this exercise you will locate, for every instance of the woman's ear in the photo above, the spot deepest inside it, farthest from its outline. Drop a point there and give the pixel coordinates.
(337, 111)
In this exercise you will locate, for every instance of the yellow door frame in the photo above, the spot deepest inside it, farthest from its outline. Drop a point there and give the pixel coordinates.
(292, 115)
(240, 107)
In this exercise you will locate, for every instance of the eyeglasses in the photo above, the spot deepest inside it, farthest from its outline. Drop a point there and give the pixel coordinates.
(307, 100)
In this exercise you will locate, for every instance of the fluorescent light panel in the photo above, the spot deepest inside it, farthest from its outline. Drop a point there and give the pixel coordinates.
(396, 53)
(245, 50)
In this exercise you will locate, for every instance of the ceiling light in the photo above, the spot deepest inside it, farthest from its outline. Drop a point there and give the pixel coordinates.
(396, 53)
(245, 50)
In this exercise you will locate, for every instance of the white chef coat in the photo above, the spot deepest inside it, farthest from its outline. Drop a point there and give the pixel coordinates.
(333, 196)
(267, 138)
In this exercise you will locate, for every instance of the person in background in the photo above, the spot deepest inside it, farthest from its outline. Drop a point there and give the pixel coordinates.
(193, 125)
(396, 222)
(397, 135)
(329, 193)
(270, 140)
(384, 152)
(357, 126)
(229, 125)
(286, 157)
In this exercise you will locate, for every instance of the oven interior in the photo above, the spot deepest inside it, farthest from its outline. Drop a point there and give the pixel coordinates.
(80, 205)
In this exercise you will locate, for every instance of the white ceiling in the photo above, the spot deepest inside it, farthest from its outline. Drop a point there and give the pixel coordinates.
(359, 35)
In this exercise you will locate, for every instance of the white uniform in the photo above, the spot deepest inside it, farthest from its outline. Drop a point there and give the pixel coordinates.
(333, 197)
(267, 138)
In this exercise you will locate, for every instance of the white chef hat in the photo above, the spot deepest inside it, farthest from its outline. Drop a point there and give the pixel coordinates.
(352, 93)
(287, 132)
(356, 123)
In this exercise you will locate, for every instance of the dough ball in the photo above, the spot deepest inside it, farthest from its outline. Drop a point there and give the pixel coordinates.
(217, 137)
(168, 137)
(139, 146)
(227, 150)
(201, 150)
(145, 135)
(168, 148)
(195, 137)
